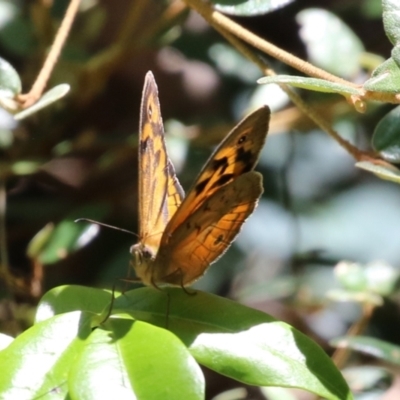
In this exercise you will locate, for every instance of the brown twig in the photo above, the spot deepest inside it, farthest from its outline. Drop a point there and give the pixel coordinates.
(209, 15)
(38, 87)
(216, 18)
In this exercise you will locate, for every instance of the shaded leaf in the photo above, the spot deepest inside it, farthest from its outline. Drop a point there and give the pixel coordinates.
(386, 137)
(67, 236)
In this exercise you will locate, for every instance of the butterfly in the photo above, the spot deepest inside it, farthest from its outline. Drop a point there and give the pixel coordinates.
(179, 237)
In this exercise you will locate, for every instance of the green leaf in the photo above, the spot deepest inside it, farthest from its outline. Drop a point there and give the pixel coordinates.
(382, 170)
(36, 364)
(386, 137)
(48, 98)
(237, 341)
(64, 357)
(67, 236)
(385, 78)
(318, 85)
(10, 82)
(133, 359)
(248, 7)
(331, 44)
(69, 298)
(371, 346)
(391, 20)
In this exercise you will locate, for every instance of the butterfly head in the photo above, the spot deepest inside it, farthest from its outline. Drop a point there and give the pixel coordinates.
(143, 259)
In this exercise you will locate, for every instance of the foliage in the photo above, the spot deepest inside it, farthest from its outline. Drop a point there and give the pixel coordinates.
(68, 154)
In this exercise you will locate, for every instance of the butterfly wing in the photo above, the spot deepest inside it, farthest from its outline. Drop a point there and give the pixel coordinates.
(160, 193)
(223, 196)
(207, 234)
(238, 153)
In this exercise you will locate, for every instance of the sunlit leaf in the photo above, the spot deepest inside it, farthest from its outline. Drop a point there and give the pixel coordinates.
(248, 7)
(318, 85)
(330, 43)
(237, 341)
(385, 78)
(382, 170)
(48, 98)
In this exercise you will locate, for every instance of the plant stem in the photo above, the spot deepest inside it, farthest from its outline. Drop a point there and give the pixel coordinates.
(216, 18)
(41, 81)
(295, 98)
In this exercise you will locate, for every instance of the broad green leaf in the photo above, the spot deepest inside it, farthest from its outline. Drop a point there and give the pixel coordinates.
(69, 298)
(318, 85)
(248, 7)
(386, 138)
(385, 78)
(391, 20)
(135, 360)
(371, 346)
(330, 43)
(68, 236)
(237, 341)
(48, 98)
(382, 170)
(36, 364)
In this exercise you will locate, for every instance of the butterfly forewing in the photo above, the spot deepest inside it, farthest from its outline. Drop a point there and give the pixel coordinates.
(237, 154)
(160, 193)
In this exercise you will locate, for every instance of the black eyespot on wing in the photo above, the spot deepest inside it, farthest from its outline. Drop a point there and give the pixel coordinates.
(242, 139)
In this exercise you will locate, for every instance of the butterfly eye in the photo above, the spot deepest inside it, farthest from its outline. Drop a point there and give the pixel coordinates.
(242, 139)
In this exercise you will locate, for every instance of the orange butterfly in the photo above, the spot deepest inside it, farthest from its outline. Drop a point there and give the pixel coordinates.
(179, 237)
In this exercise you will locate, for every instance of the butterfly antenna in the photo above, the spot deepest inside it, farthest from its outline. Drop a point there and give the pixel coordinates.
(106, 225)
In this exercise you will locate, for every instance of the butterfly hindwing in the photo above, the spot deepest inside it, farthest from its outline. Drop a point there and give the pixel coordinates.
(207, 234)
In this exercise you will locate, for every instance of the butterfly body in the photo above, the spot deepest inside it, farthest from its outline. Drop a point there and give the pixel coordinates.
(181, 236)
